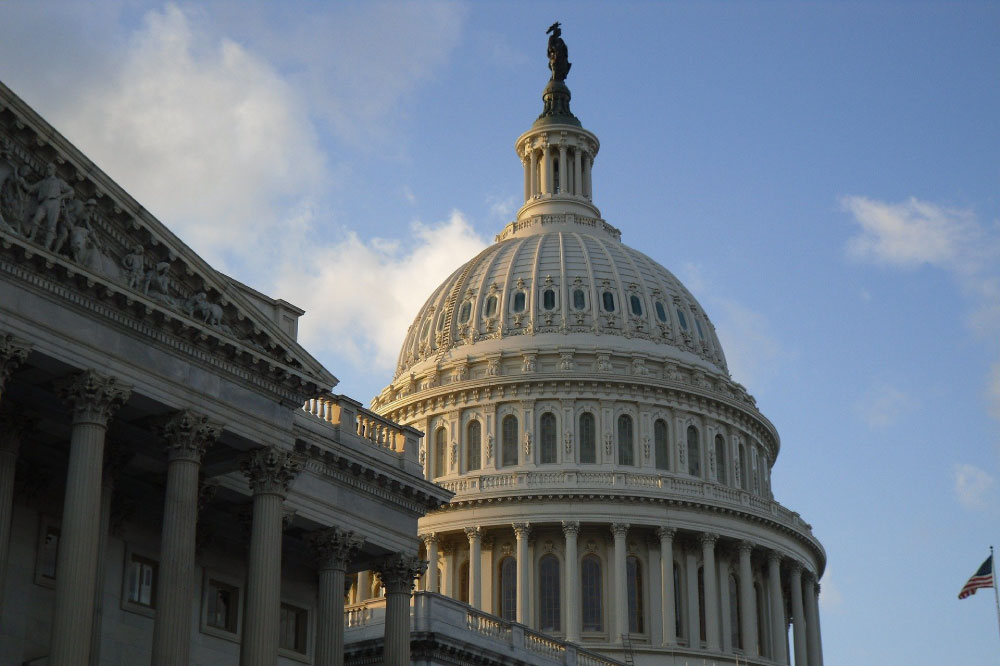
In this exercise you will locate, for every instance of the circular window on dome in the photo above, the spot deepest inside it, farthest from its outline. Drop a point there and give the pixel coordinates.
(636, 305)
(608, 301)
(490, 309)
(549, 299)
(579, 299)
(661, 313)
(519, 301)
(682, 319)
(465, 312)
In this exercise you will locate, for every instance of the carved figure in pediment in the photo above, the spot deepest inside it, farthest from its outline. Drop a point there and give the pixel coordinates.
(134, 264)
(85, 248)
(50, 191)
(199, 307)
(156, 285)
(13, 195)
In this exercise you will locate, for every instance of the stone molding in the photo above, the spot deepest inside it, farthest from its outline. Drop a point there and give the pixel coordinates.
(334, 548)
(94, 397)
(270, 470)
(398, 571)
(188, 434)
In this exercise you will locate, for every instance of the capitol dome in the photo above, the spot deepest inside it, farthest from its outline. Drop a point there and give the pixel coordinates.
(612, 481)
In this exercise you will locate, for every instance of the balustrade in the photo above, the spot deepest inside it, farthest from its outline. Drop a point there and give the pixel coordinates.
(340, 412)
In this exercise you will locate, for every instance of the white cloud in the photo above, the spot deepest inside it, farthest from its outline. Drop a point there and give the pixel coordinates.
(974, 487)
(360, 297)
(830, 597)
(882, 405)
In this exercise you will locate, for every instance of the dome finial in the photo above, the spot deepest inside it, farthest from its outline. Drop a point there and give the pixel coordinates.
(556, 95)
(558, 53)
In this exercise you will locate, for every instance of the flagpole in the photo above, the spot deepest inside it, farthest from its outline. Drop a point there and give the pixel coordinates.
(996, 593)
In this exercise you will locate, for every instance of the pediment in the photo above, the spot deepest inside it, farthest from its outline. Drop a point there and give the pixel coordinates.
(66, 225)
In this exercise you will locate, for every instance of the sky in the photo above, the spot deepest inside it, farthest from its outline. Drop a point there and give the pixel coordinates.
(822, 176)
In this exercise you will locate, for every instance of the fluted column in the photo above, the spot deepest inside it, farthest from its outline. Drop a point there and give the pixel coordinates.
(619, 531)
(563, 169)
(270, 472)
(814, 639)
(533, 157)
(798, 613)
(187, 435)
(475, 567)
(13, 353)
(334, 548)
(396, 574)
(115, 459)
(667, 603)
(693, 624)
(748, 610)
(546, 171)
(711, 591)
(521, 532)
(571, 583)
(431, 543)
(526, 163)
(588, 163)
(577, 172)
(778, 628)
(95, 398)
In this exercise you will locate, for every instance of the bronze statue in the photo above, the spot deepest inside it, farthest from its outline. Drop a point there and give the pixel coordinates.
(558, 53)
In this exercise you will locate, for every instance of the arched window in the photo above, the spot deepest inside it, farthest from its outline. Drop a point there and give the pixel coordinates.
(588, 438)
(490, 308)
(661, 313)
(735, 637)
(547, 447)
(744, 470)
(636, 305)
(465, 312)
(549, 299)
(701, 604)
(440, 452)
(590, 580)
(608, 300)
(678, 603)
(633, 571)
(473, 445)
(508, 454)
(519, 300)
(463, 582)
(625, 449)
(579, 299)
(755, 477)
(682, 319)
(508, 589)
(548, 593)
(660, 445)
(694, 452)
(697, 324)
(720, 458)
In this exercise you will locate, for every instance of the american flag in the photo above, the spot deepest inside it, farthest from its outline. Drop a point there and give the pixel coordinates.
(982, 578)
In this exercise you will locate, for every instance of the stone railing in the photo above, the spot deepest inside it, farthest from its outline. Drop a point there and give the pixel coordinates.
(520, 481)
(352, 421)
(365, 613)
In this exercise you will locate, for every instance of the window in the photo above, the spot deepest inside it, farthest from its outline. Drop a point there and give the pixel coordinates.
(140, 582)
(697, 324)
(744, 470)
(547, 447)
(440, 453)
(694, 452)
(683, 321)
(463, 582)
(588, 439)
(720, 458)
(608, 300)
(473, 447)
(548, 593)
(508, 454)
(579, 299)
(735, 639)
(660, 444)
(549, 299)
(633, 572)
(508, 589)
(490, 309)
(465, 312)
(222, 606)
(292, 632)
(48, 552)
(519, 300)
(661, 314)
(636, 305)
(625, 449)
(590, 579)
(701, 604)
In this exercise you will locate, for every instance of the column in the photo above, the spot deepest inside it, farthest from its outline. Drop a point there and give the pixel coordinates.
(814, 640)
(186, 435)
(693, 624)
(533, 157)
(95, 398)
(270, 472)
(619, 531)
(571, 580)
(13, 352)
(488, 596)
(748, 609)
(577, 172)
(711, 591)
(563, 169)
(475, 536)
(546, 171)
(521, 532)
(668, 605)
(526, 163)
(431, 543)
(12, 430)
(588, 162)
(115, 459)
(396, 574)
(798, 613)
(334, 549)
(450, 570)
(779, 652)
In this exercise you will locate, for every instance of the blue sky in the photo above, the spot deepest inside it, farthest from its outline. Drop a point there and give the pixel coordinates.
(822, 176)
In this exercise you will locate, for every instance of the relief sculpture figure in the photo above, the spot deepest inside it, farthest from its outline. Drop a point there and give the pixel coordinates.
(12, 194)
(50, 191)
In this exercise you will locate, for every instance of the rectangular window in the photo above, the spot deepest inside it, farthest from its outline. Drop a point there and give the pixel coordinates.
(292, 633)
(48, 552)
(141, 581)
(222, 603)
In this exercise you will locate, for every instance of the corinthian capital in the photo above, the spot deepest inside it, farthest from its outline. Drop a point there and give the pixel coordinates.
(397, 571)
(473, 533)
(666, 533)
(187, 434)
(335, 548)
(570, 527)
(619, 530)
(522, 530)
(13, 352)
(270, 471)
(95, 398)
